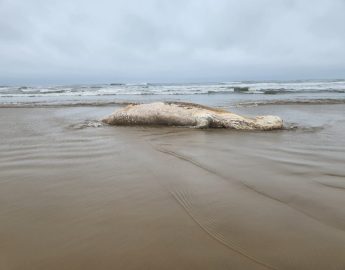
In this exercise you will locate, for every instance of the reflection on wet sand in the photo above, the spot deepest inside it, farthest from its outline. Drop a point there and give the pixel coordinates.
(83, 196)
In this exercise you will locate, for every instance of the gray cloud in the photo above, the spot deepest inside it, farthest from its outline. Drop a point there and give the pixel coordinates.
(46, 41)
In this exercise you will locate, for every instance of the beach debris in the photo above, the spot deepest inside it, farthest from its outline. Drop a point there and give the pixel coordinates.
(190, 115)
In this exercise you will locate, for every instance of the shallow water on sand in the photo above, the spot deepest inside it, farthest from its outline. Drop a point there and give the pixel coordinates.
(75, 194)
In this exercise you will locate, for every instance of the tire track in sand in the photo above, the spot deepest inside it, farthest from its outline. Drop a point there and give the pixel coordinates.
(185, 202)
(181, 198)
(249, 187)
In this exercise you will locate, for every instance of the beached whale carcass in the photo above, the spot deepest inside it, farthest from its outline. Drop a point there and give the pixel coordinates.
(189, 114)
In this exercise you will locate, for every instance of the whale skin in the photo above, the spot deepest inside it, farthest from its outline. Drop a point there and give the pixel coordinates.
(190, 115)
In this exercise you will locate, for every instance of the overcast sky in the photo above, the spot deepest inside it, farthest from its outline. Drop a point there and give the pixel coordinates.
(89, 41)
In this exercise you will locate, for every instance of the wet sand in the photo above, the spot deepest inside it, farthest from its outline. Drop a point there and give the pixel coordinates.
(75, 196)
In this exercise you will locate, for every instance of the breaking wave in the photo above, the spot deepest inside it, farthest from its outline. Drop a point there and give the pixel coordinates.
(64, 104)
(247, 93)
(314, 101)
(270, 88)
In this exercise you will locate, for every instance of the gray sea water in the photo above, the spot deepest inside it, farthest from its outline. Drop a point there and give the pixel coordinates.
(243, 93)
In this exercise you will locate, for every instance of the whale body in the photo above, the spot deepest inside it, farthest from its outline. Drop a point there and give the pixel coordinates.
(190, 115)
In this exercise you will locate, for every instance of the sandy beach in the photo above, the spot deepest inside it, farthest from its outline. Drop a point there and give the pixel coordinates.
(172, 135)
(77, 196)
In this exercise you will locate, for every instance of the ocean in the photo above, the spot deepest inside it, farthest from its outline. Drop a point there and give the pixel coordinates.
(218, 94)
